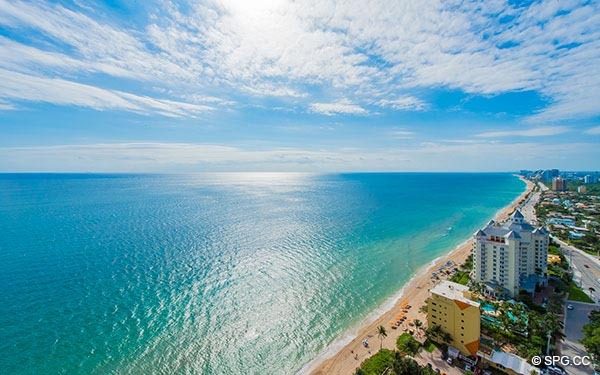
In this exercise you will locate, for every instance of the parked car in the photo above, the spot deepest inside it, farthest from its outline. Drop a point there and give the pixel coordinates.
(555, 370)
(569, 307)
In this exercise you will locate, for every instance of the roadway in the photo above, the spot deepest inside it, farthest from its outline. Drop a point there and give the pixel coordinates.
(528, 207)
(586, 268)
(586, 274)
(574, 322)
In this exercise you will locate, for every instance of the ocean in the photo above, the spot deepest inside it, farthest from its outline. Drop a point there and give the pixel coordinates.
(233, 273)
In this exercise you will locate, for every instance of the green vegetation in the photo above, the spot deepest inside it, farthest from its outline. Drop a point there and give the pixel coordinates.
(407, 344)
(591, 337)
(418, 325)
(468, 264)
(561, 270)
(590, 243)
(577, 294)
(461, 276)
(528, 332)
(554, 248)
(378, 363)
(592, 189)
(435, 333)
(429, 346)
(392, 363)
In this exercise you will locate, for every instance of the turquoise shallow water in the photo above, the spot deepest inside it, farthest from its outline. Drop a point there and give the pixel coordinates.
(214, 274)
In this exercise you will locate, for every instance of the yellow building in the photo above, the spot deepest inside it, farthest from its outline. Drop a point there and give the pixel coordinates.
(554, 259)
(451, 308)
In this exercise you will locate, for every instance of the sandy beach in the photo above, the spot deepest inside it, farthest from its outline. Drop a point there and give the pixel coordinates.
(416, 291)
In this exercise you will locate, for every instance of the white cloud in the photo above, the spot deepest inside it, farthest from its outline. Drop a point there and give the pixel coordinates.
(186, 157)
(340, 107)
(280, 48)
(4, 106)
(401, 134)
(593, 131)
(404, 103)
(532, 132)
(273, 90)
(58, 91)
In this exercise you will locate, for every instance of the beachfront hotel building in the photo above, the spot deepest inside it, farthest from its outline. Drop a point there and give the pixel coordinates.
(510, 257)
(451, 308)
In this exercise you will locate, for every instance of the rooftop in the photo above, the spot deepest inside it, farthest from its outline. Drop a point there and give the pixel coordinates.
(454, 291)
(513, 362)
(511, 229)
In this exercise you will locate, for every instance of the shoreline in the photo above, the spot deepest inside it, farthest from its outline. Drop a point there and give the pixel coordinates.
(347, 352)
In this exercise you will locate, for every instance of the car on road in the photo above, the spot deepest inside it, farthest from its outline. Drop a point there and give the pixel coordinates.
(569, 307)
(586, 266)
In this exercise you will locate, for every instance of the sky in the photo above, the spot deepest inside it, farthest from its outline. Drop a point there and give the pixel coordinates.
(315, 86)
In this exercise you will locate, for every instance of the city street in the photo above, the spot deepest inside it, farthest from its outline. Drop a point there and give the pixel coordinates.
(586, 269)
(528, 207)
(574, 321)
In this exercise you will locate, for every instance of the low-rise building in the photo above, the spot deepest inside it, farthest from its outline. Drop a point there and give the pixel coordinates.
(509, 363)
(450, 307)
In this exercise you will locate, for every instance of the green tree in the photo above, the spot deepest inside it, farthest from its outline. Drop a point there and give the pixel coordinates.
(591, 337)
(418, 325)
(407, 345)
(436, 333)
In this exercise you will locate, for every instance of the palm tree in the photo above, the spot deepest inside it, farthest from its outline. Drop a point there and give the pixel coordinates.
(418, 325)
(433, 332)
(436, 332)
(446, 337)
(382, 333)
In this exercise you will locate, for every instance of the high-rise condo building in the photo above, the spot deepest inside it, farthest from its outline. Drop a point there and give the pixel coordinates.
(510, 257)
(588, 179)
(559, 184)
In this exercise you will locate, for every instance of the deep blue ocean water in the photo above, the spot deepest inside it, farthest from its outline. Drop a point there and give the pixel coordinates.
(214, 274)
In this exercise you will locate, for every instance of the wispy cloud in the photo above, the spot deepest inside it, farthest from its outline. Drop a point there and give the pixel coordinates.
(532, 132)
(316, 51)
(19, 86)
(175, 157)
(4, 106)
(340, 107)
(404, 103)
(401, 134)
(593, 131)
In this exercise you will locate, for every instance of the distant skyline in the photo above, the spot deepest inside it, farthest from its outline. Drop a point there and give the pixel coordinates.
(316, 86)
